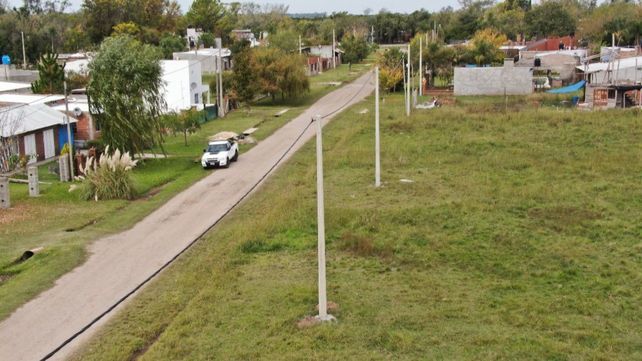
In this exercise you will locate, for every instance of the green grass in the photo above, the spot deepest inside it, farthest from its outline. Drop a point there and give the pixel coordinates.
(518, 240)
(64, 224)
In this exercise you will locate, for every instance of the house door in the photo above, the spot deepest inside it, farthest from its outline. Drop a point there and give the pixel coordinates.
(50, 146)
(30, 147)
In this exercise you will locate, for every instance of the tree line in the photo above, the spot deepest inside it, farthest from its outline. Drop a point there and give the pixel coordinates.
(48, 25)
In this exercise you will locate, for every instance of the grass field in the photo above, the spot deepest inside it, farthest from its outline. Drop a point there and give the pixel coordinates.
(519, 238)
(64, 224)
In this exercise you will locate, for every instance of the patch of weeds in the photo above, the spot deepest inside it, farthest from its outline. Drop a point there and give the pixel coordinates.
(363, 246)
(402, 127)
(260, 246)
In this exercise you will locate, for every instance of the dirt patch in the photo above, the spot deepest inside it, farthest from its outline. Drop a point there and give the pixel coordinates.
(16, 213)
(307, 322)
(564, 215)
(4, 278)
(153, 192)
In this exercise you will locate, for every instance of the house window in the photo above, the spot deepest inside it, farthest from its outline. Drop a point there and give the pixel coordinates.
(611, 93)
(196, 98)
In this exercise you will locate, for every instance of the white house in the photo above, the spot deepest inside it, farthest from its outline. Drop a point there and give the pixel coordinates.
(183, 84)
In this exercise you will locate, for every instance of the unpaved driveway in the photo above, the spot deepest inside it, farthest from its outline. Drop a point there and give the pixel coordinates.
(119, 263)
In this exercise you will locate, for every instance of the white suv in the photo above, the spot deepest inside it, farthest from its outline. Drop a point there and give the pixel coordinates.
(220, 153)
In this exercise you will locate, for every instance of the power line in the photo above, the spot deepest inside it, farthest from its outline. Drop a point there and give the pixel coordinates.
(194, 241)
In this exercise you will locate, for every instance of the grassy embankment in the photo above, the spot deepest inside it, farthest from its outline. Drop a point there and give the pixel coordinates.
(519, 238)
(64, 224)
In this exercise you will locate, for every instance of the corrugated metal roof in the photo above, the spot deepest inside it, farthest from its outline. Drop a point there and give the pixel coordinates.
(6, 86)
(621, 64)
(30, 98)
(28, 118)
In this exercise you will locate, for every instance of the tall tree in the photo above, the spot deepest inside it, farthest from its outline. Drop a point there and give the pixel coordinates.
(51, 75)
(126, 93)
(550, 18)
(205, 14)
(484, 47)
(244, 76)
(355, 48)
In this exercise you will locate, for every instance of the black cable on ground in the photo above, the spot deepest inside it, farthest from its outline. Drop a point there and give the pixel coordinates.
(168, 263)
(351, 99)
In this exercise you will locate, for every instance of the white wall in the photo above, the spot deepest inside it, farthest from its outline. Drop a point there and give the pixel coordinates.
(182, 81)
(508, 80)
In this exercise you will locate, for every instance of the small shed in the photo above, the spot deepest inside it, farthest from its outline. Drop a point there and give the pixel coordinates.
(40, 131)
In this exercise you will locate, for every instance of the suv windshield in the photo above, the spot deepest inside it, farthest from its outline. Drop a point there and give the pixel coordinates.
(215, 148)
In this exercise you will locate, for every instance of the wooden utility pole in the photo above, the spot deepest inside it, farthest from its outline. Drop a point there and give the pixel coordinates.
(71, 145)
(24, 54)
(334, 51)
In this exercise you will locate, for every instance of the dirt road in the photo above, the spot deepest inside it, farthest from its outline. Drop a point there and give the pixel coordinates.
(119, 263)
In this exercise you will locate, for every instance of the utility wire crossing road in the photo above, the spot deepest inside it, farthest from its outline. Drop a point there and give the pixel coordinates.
(84, 299)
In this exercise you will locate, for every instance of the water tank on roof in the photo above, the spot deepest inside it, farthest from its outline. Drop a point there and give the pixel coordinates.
(6, 60)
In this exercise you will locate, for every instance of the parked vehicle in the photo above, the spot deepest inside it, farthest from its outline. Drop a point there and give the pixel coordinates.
(220, 153)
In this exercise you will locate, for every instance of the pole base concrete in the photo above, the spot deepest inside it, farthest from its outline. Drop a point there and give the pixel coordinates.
(327, 318)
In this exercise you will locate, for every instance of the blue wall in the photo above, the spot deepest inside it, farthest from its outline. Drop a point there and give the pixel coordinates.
(62, 136)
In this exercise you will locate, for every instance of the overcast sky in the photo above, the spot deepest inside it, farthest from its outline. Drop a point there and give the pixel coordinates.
(329, 6)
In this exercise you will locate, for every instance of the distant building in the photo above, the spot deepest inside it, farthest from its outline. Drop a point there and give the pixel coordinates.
(207, 58)
(608, 53)
(245, 34)
(560, 62)
(193, 37)
(183, 84)
(621, 71)
(509, 80)
(320, 57)
(614, 84)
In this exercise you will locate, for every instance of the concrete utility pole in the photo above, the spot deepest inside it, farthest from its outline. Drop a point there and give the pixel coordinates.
(377, 139)
(24, 54)
(409, 85)
(323, 299)
(71, 146)
(299, 44)
(334, 51)
(421, 69)
(34, 186)
(5, 197)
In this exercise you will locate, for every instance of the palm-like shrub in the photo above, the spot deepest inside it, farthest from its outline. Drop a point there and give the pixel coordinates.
(108, 178)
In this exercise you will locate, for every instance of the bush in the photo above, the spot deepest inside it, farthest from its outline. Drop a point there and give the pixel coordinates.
(109, 177)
